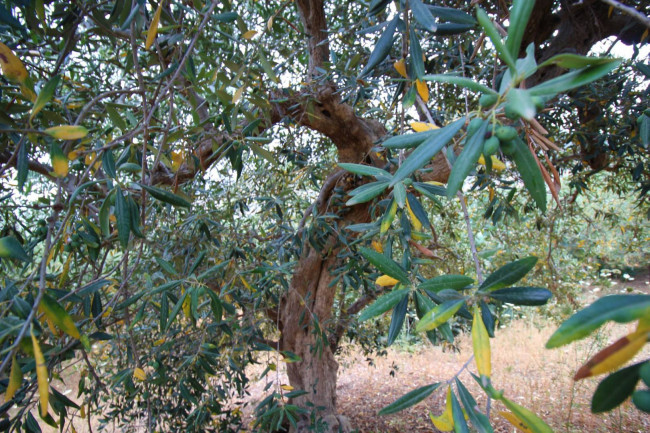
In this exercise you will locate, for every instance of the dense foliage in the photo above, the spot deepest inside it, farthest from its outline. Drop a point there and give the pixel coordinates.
(172, 205)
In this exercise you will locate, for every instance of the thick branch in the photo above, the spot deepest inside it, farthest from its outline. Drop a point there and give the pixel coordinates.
(312, 15)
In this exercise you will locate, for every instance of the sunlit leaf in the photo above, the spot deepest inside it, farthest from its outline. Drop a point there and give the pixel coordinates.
(481, 345)
(11, 248)
(67, 132)
(410, 399)
(57, 314)
(41, 376)
(153, 27)
(439, 315)
(12, 67)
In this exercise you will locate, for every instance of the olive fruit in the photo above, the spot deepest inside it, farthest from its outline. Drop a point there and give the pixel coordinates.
(473, 126)
(508, 147)
(487, 100)
(491, 146)
(506, 133)
(511, 113)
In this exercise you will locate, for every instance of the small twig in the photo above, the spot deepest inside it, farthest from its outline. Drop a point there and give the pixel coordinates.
(629, 11)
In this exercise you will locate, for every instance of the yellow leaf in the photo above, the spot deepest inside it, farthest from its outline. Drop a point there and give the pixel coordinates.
(614, 355)
(153, 28)
(481, 344)
(15, 379)
(433, 182)
(515, 421)
(82, 411)
(249, 34)
(12, 67)
(497, 164)
(57, 314)
(400, 67)
(269, 24)
(159, 342)
(385, 280)
(423, 90)
(139, 374)
(177, 160)
(445, 421)
(237, 96)
(60, 166)
(41, 376)
(67, 132)
(377, 246)
(186, 307)
(421, 127)
(287, 387)
(417, 225)
(387, 220)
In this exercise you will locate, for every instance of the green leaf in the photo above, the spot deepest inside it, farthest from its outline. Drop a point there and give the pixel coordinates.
(382, 304)
(397, 319)
(364, 170)
(366, 192)
(455, 282)
(508, 274)
(423, 16)
(22, 166)
(108, 163)
(522, 295)
(424, 304)
(532, 421)
(385, 265)
(268, 69)
(488, 318)
(451, 14)
(530, 173)
(492, 33)
(57, 314)
(466, 161)
(168, 267)
(460, 425)
(574, 61)
(381, 50)
(399, 192)
(519, 16)
(123, 217)
(644, 130)
(615, 389)
(416, 53)
(619, 308)
(11, 248)
(44, 96)
(520, 102)
(116, 118)
(177, 308)
(460, 81)
(410, 399)
(439, 315)
(82, 187)
(430, 191)
(427, 150)
(166, 196)
(407, 141)
(573, 79)
(479, 420)
(641, 400)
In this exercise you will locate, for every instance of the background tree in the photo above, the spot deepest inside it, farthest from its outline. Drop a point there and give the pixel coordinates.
(173, 164)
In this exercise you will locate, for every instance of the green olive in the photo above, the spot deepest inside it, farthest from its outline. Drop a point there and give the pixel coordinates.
(506, 133)
(491, 146)
(487, 100)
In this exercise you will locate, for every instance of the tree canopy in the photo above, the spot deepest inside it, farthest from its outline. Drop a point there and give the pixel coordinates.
(186, 184)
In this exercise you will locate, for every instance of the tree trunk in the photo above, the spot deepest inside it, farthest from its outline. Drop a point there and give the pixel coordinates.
(304, 315)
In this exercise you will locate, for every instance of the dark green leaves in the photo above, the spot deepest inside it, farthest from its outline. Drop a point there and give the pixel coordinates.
(406, 141)
(366, 192)
(519, 15)
(123, 217)
(574, 61)
(522, 295)
(427, 150)
(11, 248)
(423, 15)
(455, 282)
(520, 102)
(493, 34)
(530, 173)
(416, 55)
(480, 422)
(166, 196)
(410, 399)
(385, 265)
(397, 319)
(508, 274)
(573, 79)
(45, 95)
(382, 304)
(381, 50)
(615, 389)
(619, 308)
(364, 170)
(466, 160)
